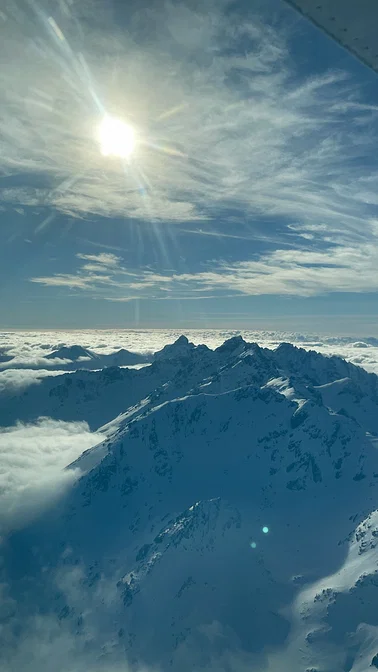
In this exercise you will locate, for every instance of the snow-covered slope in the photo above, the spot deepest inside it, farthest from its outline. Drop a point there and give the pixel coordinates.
(226, 522)
(99, 396)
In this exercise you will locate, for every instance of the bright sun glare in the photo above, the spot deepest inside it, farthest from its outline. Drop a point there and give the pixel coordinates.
(116, 138)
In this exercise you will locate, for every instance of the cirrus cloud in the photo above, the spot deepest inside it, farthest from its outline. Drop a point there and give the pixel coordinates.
(292, 272)
(224, 119)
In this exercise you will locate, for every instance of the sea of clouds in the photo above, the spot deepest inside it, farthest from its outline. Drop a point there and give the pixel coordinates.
(29, 348)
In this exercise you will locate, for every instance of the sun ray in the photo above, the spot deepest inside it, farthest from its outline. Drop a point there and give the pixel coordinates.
(166, 150)
(171, 112)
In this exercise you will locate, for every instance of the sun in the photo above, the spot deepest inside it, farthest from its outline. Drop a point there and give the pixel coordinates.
(116, 138)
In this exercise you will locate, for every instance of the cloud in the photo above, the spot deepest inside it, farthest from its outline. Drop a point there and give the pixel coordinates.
(20, 377)
(224, 119)
(35, 362)
(72, 281)
(46, 638)
(102, 270)
(230, 132)
(33, 458)
(287, 272)
(27, 353)
(103, 259)
(30, 346)
(304, 273)
(94, 243)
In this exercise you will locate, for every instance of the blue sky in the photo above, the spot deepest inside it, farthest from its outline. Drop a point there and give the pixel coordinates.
(251, 197)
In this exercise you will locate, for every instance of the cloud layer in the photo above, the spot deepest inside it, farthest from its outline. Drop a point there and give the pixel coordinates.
(28, 347)
(232, 131)
(285, 272)
(224, 119)
(13, 380)
(32, 466)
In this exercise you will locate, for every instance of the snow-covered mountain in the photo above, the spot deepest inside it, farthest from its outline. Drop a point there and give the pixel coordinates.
(72, 352)
(99, 396)
(83, 358)
(227, 522)
(73, 357)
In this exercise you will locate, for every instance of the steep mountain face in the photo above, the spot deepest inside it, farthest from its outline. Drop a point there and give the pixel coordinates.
(343, 387)
(225, 523)
(98, 396)
(180, 349)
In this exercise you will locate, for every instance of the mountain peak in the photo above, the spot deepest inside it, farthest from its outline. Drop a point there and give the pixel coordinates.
(232, 344)
(72, 352)
(213, 465)
(180, 348)
(286, 347)
(182, 340)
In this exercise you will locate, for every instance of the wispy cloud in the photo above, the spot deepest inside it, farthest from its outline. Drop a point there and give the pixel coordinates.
(102, 270)
(103, 246)
(219, 126)
(284, 271)
(308, 273)
(103, 259)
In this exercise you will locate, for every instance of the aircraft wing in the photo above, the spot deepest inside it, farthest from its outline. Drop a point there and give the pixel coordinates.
(352, 23)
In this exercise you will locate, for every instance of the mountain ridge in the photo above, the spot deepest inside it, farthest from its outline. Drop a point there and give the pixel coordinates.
(79, 395)
(201, 532)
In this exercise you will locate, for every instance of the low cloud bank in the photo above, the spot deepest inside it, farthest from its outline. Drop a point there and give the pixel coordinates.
(33, 458)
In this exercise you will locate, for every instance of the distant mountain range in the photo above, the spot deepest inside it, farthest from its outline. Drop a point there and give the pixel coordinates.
(227, 521)
(73, 357)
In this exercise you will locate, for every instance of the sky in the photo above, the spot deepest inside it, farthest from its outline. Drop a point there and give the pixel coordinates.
(249, 201)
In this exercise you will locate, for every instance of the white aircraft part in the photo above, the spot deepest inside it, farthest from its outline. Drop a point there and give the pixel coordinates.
(352, 23)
